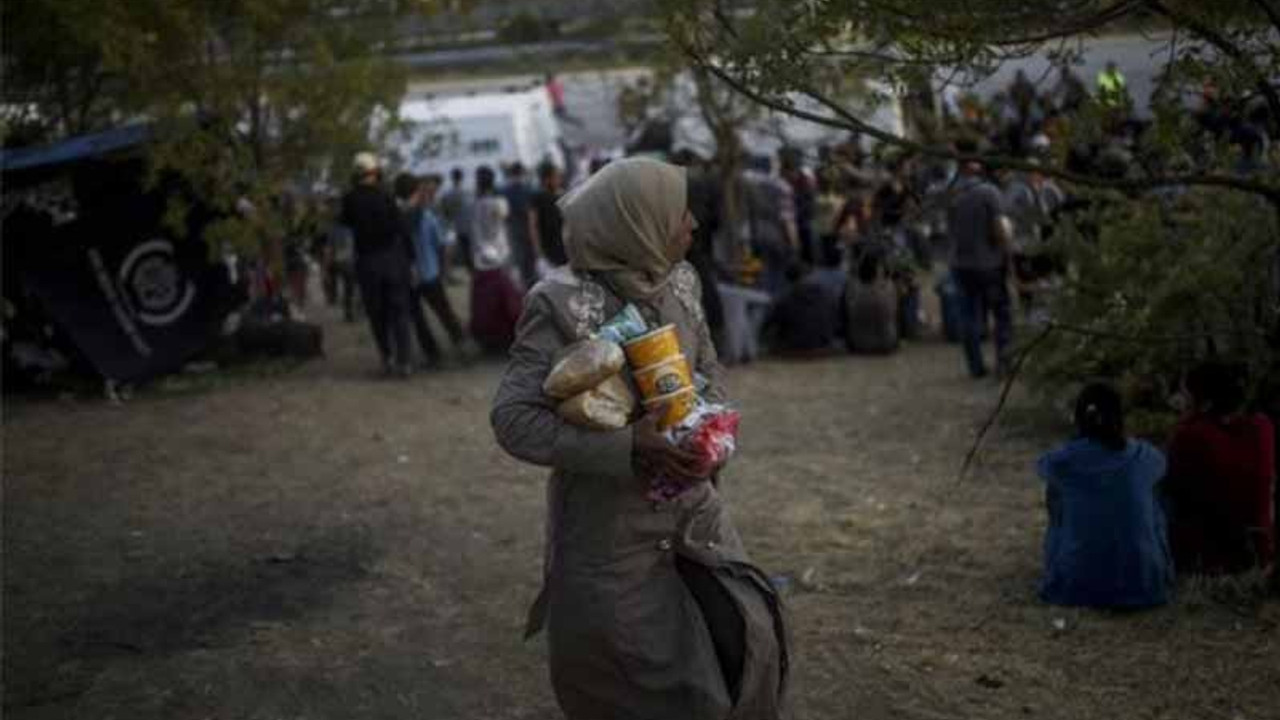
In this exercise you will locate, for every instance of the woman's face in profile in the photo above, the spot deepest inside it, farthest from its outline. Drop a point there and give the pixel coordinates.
(684, 237)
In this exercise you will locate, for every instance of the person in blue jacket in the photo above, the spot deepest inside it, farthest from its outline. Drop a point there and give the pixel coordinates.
(1106, 543)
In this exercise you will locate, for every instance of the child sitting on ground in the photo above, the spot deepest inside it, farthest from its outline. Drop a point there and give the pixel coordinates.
(1105, 545)
(1221, 478)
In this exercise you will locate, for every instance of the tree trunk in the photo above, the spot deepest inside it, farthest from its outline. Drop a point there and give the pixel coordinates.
(729, 162)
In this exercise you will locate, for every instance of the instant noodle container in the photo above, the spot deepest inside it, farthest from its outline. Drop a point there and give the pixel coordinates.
(667, 377)
(653, 347)
(679, 405)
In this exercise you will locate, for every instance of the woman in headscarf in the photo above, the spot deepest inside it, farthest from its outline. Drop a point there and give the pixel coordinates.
(653, 610)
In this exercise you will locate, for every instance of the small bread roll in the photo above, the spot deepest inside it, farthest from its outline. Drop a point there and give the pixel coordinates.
(586, 365)
(607, 406)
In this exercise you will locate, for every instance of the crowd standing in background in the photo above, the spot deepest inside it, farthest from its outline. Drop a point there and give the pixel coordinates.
(859, 220)
(807, 255)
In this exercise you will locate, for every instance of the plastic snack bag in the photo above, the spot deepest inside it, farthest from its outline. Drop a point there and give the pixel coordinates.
(627, 324)
(711, 433)
(713, 440)
(586, 365)
(608, 406)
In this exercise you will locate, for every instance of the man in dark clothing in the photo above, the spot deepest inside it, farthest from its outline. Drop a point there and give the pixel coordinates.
(1022, 92)
(545, 222)
(383, 255)
(980, 244)
(519, 197)
(704, 192)
(1070, 93)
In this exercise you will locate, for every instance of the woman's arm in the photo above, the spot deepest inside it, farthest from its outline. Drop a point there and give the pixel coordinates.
(524, 419)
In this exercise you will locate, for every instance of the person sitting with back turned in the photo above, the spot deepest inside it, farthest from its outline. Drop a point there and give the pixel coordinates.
(871, 304)
(1221, 478)
(803, 320)
(1106, 543)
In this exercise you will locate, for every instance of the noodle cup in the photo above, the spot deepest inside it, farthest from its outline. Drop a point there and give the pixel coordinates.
(679, 405)
(653, 347)
(665, 378)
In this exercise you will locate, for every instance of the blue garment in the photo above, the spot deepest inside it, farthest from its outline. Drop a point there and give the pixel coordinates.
(1106, 544)
(428, 238)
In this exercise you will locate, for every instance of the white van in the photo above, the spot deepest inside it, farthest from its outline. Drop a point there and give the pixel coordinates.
(467, 131)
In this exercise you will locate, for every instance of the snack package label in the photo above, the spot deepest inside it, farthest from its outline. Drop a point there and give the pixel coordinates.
(669, 383)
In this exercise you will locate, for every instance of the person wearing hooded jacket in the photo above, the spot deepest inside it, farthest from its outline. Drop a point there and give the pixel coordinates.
(653, 609)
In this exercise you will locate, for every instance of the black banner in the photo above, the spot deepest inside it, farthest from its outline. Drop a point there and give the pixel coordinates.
(85, 239)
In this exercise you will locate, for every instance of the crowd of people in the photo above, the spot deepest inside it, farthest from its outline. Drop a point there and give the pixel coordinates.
(828, 249)
(832, 254)
(808, 256)
(395, 245)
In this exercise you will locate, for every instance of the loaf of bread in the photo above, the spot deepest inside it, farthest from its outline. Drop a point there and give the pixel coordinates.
(608, 406)
(584, 366)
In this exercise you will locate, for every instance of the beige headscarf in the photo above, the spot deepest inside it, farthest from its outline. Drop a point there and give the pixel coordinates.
(622, 225)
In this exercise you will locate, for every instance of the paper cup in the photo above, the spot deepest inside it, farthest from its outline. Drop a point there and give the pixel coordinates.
(665, 378)
(653, 347)
(679, 405)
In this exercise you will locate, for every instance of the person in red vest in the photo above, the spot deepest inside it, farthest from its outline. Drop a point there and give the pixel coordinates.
(1221, 478)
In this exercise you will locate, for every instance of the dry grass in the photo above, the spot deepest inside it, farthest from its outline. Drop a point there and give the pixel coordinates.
(325, 545)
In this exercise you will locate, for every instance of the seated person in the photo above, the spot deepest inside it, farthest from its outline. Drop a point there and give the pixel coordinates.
(804, 317)
(1105, 545)
(871, 306)
(831, 274)
(1221, 478)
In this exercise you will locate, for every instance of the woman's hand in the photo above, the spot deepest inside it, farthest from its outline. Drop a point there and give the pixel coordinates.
(655, 456)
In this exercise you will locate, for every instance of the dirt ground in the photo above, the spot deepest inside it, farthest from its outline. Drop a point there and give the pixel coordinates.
(320, 543)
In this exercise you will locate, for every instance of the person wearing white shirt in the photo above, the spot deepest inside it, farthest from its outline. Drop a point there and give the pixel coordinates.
(496, 302)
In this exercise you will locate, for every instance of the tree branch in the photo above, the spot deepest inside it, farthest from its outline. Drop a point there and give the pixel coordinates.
(845, 120)
(1048, 330)
(1272, 13)
(1009, 380)
(1227, 47)
(1079, 26)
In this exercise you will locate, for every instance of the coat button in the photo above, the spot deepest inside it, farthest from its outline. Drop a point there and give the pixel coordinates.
(664, 544)
(711, 544)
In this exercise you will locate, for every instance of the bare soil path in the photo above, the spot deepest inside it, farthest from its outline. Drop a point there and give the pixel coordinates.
(324, 544)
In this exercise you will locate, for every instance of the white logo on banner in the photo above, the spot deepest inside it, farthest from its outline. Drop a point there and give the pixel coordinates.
(151, 278)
